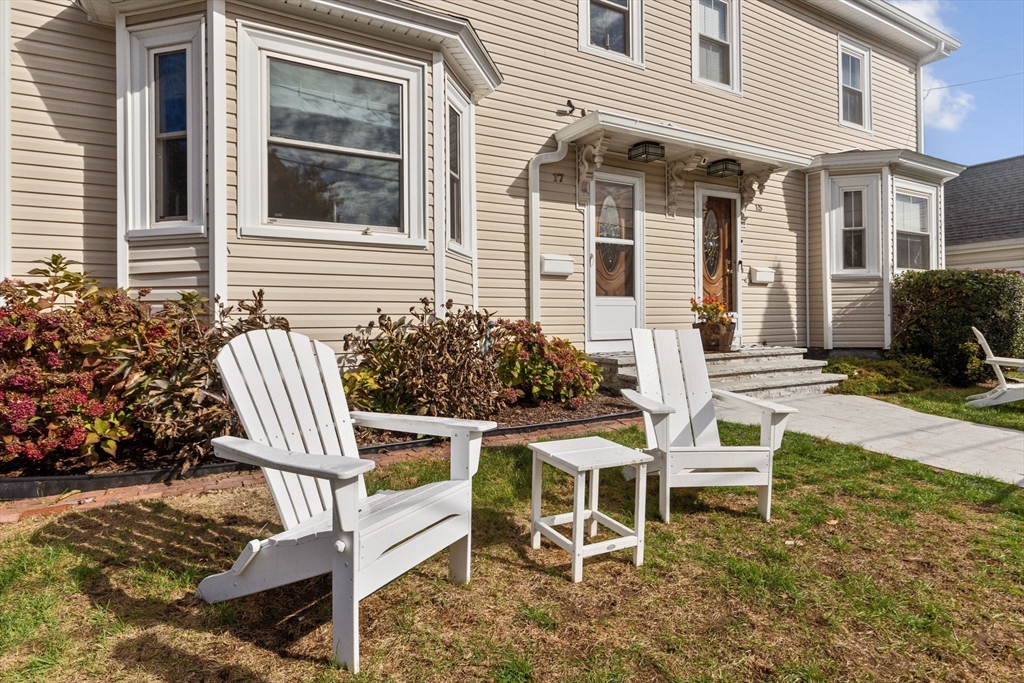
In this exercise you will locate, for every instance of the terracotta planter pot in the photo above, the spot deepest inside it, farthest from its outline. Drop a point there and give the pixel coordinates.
(716, 337)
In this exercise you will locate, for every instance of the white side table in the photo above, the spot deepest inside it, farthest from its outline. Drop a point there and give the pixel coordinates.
(577, 457)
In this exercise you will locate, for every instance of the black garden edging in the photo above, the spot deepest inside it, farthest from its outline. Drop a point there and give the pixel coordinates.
(17, 488)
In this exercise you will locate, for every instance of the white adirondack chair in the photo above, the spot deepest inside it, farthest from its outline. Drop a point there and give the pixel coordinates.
(679, 416)
(1006, 391)
(288, 393)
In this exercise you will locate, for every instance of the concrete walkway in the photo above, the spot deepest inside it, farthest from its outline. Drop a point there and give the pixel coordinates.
(886, 428)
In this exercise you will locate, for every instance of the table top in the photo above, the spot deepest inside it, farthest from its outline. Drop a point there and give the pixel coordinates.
(589, 453)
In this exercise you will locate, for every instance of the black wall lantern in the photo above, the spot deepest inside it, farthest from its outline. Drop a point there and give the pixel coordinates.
(724, 168)
(646, 152)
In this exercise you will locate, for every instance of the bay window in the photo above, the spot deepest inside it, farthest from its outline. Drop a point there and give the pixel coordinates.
(914, 222)
(460, 174)
(855, 226)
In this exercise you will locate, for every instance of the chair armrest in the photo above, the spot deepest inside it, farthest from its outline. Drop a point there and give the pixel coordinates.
(319, 466)
(420, 424)
(1006, 362)
(648, 405)
(751, 402)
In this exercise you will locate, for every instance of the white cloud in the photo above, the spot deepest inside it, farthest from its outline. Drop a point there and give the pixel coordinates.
(944, 109)
(928, 11)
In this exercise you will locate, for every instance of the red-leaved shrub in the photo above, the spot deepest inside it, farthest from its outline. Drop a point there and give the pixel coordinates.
(541, 369)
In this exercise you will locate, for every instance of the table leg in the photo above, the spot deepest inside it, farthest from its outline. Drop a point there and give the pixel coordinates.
(577, 527)
(592, 530)
(535, 495)
(641, 511)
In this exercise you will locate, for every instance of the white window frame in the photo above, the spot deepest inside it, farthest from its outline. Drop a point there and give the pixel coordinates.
(735, 49)
(139, 172)
(931, 193)
(460, 102)
(636, 34)
(863, 53)
(256, 45)
(870, 185)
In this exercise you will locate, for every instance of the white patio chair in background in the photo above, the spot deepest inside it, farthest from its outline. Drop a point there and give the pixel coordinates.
(679, 415)
(288, 392)
(1005, 391)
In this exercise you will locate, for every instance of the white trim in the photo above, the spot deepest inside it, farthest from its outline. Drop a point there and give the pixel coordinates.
(454, 97)
(218, 151)
(139, 178)
(888, 196)
(5, 140)
(636, 34)
(863, 53)
(807, 260)
(826, 258)
(255, 46)
(638, 180)
(123, 122)
(735, 85)
(871, 211)
(940, 206)
(440, 221)
(701, 191)
(931, 194)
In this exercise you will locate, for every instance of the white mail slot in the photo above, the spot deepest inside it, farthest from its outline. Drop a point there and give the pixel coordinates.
(761, 276)
(557, 264)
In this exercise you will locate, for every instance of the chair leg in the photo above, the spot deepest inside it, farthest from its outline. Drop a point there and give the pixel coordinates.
(764, 501)
(458, 561)
(665, 489)
(346, 606)
(640, 513)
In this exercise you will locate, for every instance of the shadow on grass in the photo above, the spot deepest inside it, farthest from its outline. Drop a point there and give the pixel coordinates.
(146, 653)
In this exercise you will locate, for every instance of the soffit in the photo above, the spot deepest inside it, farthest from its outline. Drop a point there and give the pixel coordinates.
(901, 161)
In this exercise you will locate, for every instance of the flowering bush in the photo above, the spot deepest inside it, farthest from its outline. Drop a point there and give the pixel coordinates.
(710, 310)
(542, 369)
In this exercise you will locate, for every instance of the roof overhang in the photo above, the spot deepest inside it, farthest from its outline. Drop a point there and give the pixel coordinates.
(887, 21)
(899, 160)
(391, 20)
(620, 132)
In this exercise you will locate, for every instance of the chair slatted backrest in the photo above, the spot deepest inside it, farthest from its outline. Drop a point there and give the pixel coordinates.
(989, 355)
(671, 370)
(288, 393)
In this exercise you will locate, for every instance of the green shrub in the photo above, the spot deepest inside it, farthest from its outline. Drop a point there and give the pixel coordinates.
(425, 365)
(933, 311)
(542, 369)
(866, 377)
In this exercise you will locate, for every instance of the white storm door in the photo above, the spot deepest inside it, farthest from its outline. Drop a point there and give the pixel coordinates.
(615, 246)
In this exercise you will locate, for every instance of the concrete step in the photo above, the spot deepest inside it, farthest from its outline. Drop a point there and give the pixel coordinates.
(745, 355)
(766, 368)
(781, 387)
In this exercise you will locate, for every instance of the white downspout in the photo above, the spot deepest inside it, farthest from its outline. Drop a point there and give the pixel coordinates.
(534, 181)
(807, 261)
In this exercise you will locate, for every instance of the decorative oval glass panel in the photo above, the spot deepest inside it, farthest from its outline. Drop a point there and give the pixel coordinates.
(712, 244)
(608, 224)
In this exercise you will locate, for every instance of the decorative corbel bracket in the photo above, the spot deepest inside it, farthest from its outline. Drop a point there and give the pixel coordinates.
(589, 157)
(751, 185)
(674, 180)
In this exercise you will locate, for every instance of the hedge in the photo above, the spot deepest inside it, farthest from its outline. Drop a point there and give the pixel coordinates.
(933, 312)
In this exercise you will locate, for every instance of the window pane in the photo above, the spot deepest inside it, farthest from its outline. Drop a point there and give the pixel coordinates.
(454, 181)
(851, 71)
(454, 210)
(853, 107)
(331, 187)
(331, 108)
(171, 92)
(609, 27)
(454, 140)
(853, 249)
(614, 271)
(172, 178)
(613, 208)
(714, 20)
(911, 213)
(714, 61)
(853, 209)
(912, 251)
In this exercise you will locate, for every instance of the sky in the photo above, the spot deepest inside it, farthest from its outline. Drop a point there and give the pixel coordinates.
(980, 122)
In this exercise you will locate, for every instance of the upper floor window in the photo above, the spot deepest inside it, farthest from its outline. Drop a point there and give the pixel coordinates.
(914, 223)
(165, 181)
(336, 152)
(460, 170)
(854, 85)
(612, 28)
(715, 31)
(855, 228)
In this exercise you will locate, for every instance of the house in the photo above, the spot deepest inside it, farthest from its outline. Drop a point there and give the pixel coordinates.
(591, 164)
(985, 216)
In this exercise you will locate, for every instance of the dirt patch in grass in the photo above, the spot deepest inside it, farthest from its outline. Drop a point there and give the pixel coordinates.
(871, 569)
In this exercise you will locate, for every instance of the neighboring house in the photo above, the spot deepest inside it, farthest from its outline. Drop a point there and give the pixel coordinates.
(985, 216)
(346, 155)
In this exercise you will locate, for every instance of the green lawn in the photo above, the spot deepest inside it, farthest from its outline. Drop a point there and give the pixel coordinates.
(950, 402)
(872, 569)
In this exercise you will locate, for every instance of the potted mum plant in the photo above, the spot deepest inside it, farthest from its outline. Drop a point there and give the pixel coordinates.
(715, 325)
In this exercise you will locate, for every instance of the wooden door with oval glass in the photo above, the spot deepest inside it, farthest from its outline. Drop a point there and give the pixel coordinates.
(716, 239)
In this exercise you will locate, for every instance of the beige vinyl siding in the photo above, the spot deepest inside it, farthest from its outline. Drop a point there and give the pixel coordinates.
(815, 263)
(1008, 254)
(325, 289)
(563, 300)
(458, 284)
(168, 267)
(857, 313)
(63, 138)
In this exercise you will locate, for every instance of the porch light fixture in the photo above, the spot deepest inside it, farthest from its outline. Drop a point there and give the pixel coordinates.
(724, 168)
(646, 152)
